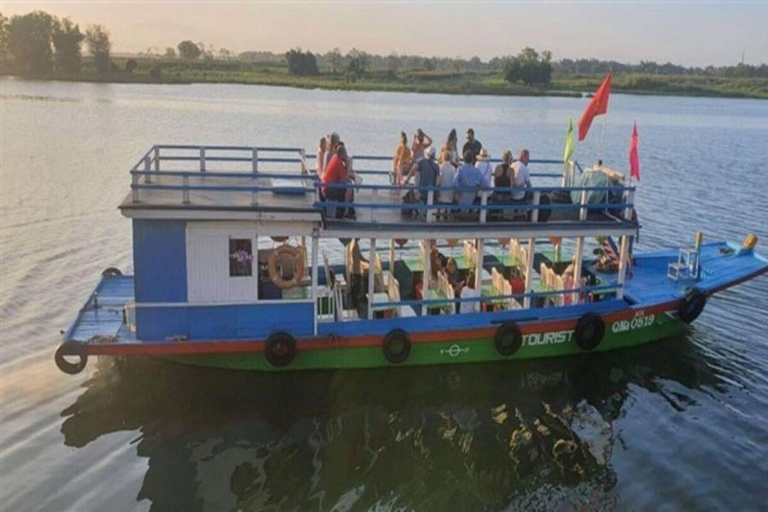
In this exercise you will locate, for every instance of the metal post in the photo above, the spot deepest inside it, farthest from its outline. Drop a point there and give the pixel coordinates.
(583, 203)
(302, 161)
(392, 256)
(629, 199)
(315, 251)
(255, 252)
(529, 272)
(134, 190)
(185, 189)
(147, 176)
(535, 211)
(566, 171)
(623, 260)
(427, 275)
(480, 245)
(430, 202)
(254, 197)
(156, 158)
(577, 268)
(483, 204)
(371, 275)
(202, 159)
(255, 160)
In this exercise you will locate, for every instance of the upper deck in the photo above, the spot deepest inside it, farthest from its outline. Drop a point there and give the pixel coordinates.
(278, 184)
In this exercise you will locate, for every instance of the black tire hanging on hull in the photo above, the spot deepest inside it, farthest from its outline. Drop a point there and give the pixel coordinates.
(111, 272)
(508, 338)
(281, 349)
(71, 348)
(589, 332)
(396, 346)
(692, 305)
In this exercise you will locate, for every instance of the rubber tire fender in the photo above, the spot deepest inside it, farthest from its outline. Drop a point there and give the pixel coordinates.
(71, 348)
(281, 349)
(589, 332)
(396, 346)
(111, 272)
(503, 333)
(692, 305)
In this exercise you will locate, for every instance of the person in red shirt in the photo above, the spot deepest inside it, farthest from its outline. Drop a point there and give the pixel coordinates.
(336, 173)
(516, 282)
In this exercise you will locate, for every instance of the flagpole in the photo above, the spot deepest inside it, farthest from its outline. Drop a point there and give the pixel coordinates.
(602, 133)
(602, 130)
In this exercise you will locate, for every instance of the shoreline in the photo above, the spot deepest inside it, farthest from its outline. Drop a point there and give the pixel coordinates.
(322, 83)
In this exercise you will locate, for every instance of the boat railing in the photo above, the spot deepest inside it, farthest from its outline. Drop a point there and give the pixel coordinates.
(385, 164)
(242, 162)
(430, 206)
(203, 156)
(575, 292)
(267, 164)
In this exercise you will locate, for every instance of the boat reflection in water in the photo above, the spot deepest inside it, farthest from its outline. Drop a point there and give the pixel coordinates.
(533, 433)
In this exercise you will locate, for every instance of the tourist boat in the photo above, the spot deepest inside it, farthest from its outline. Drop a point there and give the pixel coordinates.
(237, 263)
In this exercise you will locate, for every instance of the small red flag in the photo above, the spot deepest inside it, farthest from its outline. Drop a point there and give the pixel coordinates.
(598, 106)
(634, 159)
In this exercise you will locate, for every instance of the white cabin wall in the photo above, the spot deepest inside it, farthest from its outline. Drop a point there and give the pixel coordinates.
(208, 278)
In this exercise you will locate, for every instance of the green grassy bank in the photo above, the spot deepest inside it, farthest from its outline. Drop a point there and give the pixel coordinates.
(440, 82)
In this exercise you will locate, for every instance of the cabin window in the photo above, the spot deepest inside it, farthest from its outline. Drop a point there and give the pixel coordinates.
(240, 257)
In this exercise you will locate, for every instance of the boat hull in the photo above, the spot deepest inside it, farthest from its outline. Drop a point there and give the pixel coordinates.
(626, 329)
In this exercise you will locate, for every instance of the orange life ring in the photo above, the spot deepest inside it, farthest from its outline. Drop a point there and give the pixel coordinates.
(298, 266)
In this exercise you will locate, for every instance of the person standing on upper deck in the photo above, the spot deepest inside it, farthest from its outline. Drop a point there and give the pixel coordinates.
(320, 157)
(484, 166)
(401, 163)
(521, 177)
(333, 142)
(472, 144)
(452, 146)
(421, 141)
(468, 177)
(336, 173)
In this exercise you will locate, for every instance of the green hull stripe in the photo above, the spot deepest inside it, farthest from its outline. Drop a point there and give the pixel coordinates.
(619, 334)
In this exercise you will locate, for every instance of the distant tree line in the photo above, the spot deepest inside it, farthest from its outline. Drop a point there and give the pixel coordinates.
(594, 66)
(38, 44)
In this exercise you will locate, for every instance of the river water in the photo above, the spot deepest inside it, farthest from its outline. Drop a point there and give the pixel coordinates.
(680, 424)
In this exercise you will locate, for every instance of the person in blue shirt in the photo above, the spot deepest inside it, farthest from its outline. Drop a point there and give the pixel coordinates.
(469, 176)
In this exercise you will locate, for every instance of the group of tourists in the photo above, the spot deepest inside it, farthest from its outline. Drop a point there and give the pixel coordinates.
(471, 170)
(458, 176)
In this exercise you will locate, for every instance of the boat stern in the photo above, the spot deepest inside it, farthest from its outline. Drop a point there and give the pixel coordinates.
(101, 320)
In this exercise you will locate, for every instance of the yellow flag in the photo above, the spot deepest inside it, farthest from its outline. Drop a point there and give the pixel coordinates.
(568, 141)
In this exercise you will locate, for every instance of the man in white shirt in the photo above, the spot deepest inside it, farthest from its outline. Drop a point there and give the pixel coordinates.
(521, 176)
(469, 292)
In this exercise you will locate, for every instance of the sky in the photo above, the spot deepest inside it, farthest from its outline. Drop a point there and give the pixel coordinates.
(688, 32)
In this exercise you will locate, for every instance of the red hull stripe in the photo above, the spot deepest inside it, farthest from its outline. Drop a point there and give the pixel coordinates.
(328, 342)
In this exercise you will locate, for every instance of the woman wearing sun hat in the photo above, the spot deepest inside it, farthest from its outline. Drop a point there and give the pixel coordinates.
(484, 166)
